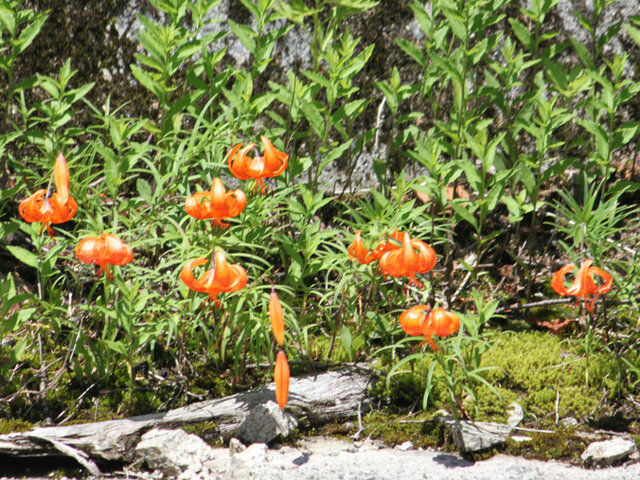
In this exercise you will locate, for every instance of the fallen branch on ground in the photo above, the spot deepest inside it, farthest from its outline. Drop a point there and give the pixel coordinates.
(318, 398)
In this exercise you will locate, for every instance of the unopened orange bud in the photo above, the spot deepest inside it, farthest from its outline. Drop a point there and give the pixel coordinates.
(281, 377)
(61, 178)
(276, 316)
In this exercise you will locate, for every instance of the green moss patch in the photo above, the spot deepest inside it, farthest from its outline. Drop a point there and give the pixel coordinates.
(544, 372)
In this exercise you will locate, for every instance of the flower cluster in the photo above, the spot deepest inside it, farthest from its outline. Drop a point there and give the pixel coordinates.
(403, 256)
(60, 207)
(218, 204)
(398, 256)
(222, 277)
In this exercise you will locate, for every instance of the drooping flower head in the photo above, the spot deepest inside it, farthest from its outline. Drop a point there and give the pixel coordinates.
(220, 278)
(421, 320)
(58, 207)
(281, 378)
(106, 249)
(271, 164)
(439, 322)
(414, 256)
(216, 204)
(584, 285)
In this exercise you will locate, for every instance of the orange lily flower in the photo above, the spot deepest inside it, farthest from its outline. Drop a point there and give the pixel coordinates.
(102, 251)
(221, 277)
(281, 377)
(60, 207)
(584, 285)
(421, 320)
(216, 204)
(406, 262)
(276, 317)
(271, 164)
(412, 320)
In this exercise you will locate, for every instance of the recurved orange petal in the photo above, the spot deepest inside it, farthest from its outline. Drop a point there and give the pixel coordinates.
(583, 284)
(62, 212)
(197, 205)
(357, 251)
(32, 209)
(89, 250)
(442, 322)
(237, 201)
(426, 256)
(239, 163)
(186, 274)
(412, 320)
(239, 279)
(275, 161)
(557, 281)
(218, 205)
(117, 252)
(606, 278)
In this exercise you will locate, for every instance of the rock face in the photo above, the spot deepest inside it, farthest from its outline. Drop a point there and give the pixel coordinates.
(609, 452)
(107, 30)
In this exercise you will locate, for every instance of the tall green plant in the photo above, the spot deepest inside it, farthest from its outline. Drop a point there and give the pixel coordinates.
(328, 101)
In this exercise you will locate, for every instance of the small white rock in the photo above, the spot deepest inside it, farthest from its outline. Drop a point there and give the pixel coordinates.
(609, 452)
(569, 422)
(405, 446)
(235, 446)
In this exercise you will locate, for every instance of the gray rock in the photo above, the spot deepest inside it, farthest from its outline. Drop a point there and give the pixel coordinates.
(252, 463)
(471, 437)
(609, 452)
(264, 423)
(618, 10)
(516, 414)
(235, 446)
(173, 452)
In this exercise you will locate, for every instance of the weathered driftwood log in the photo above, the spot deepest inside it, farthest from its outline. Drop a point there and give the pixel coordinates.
(319, 398)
